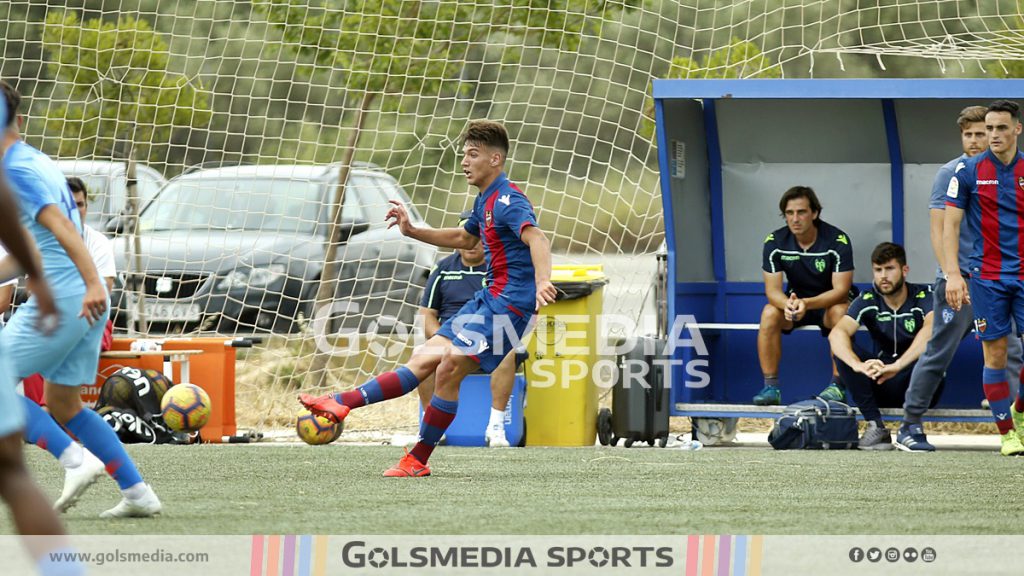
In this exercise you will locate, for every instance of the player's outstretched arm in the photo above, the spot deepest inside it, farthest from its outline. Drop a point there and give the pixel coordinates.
(23, 250)
(540, 254)
(773, 289)
(94, 304)
(443, 237)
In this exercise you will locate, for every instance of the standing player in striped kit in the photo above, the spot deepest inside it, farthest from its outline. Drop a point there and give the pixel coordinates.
(490, 325)
(990, 189)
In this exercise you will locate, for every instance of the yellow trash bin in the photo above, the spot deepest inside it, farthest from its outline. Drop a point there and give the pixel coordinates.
(561, 398)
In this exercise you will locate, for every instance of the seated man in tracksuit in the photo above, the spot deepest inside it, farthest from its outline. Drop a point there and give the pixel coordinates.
(898, 316)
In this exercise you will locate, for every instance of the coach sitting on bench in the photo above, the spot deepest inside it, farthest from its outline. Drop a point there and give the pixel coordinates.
(817, 259)
(898, 316)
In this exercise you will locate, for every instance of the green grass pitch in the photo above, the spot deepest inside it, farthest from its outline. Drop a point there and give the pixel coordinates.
(337, 489)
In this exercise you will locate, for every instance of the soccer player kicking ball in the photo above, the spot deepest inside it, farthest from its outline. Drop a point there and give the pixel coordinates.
(488, 326)
(988, 187)
(68, 358)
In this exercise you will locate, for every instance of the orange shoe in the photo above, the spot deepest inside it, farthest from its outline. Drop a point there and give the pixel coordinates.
(407, 467)
(325, 406)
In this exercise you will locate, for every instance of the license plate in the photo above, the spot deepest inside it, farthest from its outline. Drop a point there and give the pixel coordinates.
(157, 311)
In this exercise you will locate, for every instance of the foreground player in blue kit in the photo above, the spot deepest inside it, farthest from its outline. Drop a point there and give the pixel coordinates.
(69, 357)
(29, 508)
(487, 327)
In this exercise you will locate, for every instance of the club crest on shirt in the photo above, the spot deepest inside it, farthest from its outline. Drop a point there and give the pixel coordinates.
(909, 324)
(488, 217)
(819, 264)
(1020, 182)
(947, 315)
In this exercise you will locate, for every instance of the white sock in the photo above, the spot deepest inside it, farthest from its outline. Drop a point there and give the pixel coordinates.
(72, 456)
(497, 419)
(135, 492)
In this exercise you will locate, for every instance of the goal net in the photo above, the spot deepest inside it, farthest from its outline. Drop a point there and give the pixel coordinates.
(253, 110)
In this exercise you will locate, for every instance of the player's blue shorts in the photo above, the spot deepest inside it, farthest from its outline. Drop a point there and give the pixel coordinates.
(998, 304)
(69, 356)
(485, 334)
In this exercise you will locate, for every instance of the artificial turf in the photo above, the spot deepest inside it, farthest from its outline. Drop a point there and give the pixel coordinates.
(337, 489)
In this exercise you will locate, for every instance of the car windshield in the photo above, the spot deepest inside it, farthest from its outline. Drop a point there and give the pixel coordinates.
(265, 204)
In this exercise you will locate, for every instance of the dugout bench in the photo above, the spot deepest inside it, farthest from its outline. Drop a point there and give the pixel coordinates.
(728, 149)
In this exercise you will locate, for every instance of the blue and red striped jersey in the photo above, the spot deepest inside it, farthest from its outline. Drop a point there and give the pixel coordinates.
(500, 214)
(992, 194)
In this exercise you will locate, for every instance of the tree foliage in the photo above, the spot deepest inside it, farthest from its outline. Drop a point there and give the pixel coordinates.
(113, 86)
(423, 48)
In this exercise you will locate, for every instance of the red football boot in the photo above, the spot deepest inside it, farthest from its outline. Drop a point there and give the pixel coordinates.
(407, 467)
(325, 406)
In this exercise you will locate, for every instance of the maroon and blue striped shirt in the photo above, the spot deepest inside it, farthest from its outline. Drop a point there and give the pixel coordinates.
(992, 194)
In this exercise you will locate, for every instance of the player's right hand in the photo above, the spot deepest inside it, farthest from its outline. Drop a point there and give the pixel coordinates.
(956, 292)
(49, 318)
(791, 308)
(94, 303)
(398, 215)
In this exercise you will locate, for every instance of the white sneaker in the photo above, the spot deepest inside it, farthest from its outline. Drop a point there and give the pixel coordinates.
(495, 437)
(78, 479)
(143, 507)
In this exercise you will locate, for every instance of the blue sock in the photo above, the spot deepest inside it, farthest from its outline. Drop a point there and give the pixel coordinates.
(42, 430)
(99, 438)
(384, 387)
(60, 562)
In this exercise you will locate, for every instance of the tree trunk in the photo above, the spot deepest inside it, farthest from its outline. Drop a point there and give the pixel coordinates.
(135, 277)
(329, 277)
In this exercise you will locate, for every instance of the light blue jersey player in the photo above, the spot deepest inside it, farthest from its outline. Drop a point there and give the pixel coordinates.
(69, 357)
(29, 508)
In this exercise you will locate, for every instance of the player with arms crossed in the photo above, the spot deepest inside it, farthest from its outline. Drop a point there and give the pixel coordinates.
(988, 187)
(69, 358)
(488, 326)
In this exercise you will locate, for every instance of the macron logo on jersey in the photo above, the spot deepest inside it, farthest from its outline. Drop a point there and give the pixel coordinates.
(506, 200)
(988, 182)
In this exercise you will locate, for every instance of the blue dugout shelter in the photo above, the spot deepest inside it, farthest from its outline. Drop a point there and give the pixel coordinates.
(728, 149)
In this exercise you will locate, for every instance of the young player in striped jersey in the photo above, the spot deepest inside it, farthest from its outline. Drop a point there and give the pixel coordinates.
(488, 327)
(989, 188)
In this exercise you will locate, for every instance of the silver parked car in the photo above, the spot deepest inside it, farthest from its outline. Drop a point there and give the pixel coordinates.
(240, 249)
(108, 184)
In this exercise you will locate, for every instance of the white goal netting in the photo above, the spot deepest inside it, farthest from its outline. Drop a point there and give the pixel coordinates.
(252, 110)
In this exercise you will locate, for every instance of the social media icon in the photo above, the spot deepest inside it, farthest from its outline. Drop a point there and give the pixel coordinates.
(928, 554)
(910, 555)
(856, 554)
(892, 554)
(874, 554)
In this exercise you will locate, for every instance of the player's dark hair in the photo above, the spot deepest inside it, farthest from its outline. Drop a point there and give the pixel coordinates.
(887, 251)
(12, 98)
(1008, 106)
(970, 115)
(801, 192)
(487, 133)
(76, 185)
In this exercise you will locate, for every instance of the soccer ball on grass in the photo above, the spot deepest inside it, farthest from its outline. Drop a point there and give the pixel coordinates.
(316, 430)
(185, 408)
